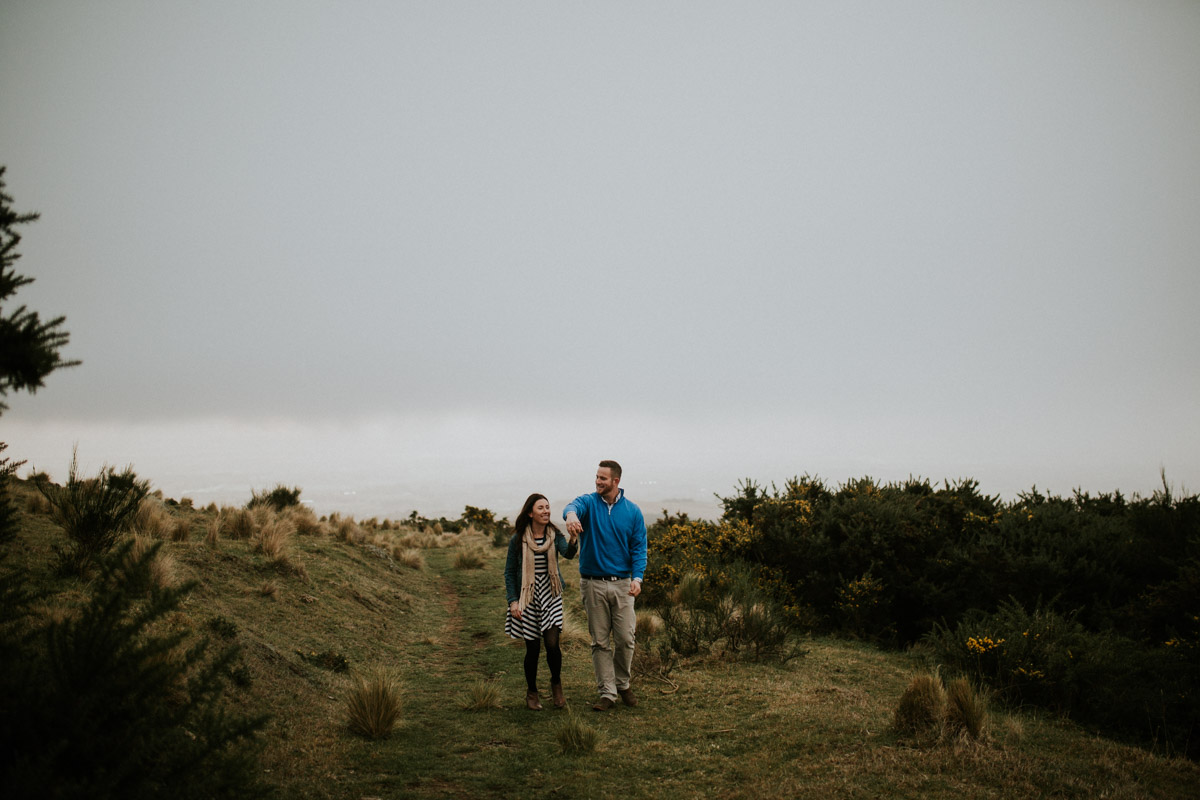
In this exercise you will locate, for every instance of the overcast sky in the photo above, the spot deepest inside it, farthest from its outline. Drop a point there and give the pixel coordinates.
(711, 240)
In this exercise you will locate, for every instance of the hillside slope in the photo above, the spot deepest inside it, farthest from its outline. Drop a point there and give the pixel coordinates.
(340, 599)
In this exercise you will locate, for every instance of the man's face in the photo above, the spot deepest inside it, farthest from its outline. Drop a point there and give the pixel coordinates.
(606, 484)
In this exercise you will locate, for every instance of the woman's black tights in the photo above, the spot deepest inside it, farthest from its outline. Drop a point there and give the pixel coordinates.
(533, 649)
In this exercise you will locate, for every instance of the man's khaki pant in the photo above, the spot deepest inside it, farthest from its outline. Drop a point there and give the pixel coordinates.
(611, 623)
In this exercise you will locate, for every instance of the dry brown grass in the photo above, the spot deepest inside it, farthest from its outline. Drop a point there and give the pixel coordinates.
(269, 589)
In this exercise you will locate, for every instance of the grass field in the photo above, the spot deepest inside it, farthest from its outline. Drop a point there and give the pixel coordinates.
(311, 613)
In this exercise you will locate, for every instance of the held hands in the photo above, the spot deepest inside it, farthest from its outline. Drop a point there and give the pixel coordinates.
(574, 526)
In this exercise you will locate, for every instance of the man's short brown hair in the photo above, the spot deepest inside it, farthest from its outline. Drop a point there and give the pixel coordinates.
(614, 466)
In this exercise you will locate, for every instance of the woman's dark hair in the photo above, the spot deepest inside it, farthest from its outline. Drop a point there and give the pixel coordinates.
(524, 518)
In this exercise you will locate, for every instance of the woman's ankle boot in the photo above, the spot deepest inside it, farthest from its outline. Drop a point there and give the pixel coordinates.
(557, 693)
(532, 701)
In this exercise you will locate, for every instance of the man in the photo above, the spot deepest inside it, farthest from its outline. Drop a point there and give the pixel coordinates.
(612, 560)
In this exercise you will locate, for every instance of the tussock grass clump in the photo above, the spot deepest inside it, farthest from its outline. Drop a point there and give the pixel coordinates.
(576, 737)
(934, 710)
(421, 539)
(573, 631)
(237, 523)
(152, 519)
(409, 557)
(37, 504)
(966, 710)
(347, 530)
(212, 532)
(373, 705)
(163, 569)
(469, 558)
(482, 696)
(305, 521)
(273, 539)
(922, 705)
(648, 624)
(269, 589)
(181, 530)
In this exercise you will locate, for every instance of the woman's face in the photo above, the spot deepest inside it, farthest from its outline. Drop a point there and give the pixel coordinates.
(540, 513)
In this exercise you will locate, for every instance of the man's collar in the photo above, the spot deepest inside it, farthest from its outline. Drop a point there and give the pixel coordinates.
(620, 494)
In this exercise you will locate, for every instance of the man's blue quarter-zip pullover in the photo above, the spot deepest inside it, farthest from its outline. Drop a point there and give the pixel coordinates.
(613, 541)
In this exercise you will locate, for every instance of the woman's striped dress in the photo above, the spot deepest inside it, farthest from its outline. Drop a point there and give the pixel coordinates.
(545, 611)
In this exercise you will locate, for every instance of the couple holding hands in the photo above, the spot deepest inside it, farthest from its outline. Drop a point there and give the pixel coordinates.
(608, 533)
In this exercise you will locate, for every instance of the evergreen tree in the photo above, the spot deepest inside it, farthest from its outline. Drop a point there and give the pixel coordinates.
(29, 347)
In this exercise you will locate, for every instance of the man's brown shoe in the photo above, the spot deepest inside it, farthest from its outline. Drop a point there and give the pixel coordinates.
(627, 697)
(557, 693)
(532, 702)
(603, 704)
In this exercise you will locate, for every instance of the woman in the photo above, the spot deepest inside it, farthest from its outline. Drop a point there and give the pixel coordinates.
(534, 589)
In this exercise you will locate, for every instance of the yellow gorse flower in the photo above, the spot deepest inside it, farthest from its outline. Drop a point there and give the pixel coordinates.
(983, 644)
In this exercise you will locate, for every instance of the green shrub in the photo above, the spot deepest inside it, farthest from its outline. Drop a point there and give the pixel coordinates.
(729, 613)
(93, 512)
(98, 705)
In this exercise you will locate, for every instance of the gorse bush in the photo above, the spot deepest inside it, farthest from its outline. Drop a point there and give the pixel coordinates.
(1044, 658)
(93, 512)
(101, 705)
